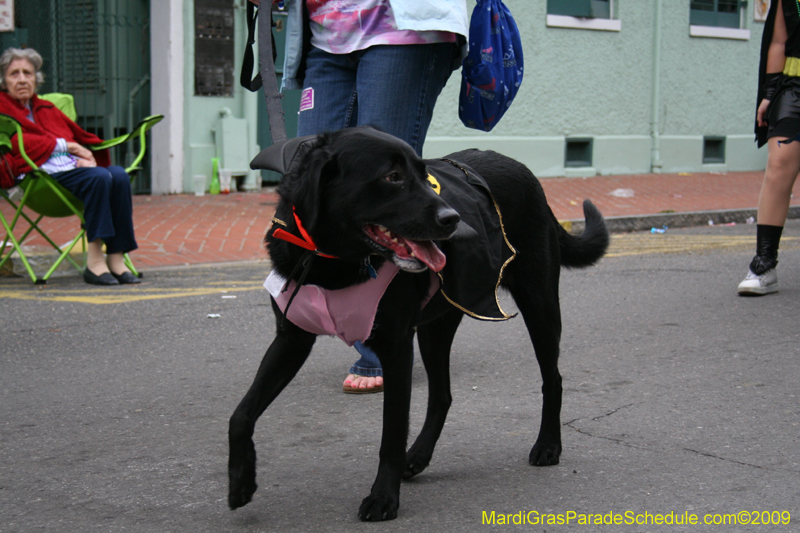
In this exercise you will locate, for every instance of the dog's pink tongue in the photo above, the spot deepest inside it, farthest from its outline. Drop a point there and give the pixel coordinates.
(428, 253)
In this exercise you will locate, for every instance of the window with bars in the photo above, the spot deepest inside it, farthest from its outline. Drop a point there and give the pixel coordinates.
(578, 152)
(580, 8)
(720, 13)
(78, 56)
(713, 150)
(214, 50)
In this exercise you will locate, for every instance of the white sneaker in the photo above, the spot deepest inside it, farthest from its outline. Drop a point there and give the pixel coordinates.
(755, 285)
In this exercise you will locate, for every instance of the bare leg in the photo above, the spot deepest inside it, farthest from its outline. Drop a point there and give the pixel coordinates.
(783, 165)
(116, 263)
(95, 259)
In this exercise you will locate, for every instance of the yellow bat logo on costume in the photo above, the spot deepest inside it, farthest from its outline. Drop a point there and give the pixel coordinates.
(434, 184)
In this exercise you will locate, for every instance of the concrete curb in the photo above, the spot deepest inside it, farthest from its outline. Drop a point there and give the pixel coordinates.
(674, 220)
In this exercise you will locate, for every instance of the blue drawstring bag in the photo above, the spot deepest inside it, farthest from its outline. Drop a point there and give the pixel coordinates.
(492, 71)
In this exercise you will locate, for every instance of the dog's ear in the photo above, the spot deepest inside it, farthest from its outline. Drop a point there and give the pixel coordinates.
(283, 156)
(311, 175)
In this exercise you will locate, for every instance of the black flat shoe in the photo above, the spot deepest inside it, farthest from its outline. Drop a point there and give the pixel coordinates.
(126, 278)
(103, 279)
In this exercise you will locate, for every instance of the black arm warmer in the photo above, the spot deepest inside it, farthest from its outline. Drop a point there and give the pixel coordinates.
(771, 84)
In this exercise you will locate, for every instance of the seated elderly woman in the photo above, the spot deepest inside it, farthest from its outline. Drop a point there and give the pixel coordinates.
(57, 145)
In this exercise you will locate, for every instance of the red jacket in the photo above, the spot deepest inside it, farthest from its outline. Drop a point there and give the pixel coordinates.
(39, 137)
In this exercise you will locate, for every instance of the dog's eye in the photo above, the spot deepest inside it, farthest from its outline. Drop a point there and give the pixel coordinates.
(394, 177)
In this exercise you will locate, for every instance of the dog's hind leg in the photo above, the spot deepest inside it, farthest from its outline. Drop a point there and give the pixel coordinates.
(435, 340)
(280, 364)
(541, 311)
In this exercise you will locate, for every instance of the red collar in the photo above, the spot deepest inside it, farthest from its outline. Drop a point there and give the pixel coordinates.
(305, 241)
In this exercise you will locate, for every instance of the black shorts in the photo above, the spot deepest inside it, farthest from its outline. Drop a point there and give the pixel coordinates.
(783, 114)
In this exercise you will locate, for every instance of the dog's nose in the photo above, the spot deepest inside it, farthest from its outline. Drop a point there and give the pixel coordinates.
(447, 217)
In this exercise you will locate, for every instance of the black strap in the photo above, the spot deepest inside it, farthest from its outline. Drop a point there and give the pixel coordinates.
(266, 59)
(247, 63)
(305, 264)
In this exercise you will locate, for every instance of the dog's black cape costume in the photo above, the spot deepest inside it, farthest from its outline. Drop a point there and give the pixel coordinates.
(476, 255)
(475, 259)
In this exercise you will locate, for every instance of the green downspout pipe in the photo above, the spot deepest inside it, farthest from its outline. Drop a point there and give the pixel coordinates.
(655, 152)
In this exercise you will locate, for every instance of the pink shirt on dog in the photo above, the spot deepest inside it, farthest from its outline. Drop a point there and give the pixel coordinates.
(348, 313)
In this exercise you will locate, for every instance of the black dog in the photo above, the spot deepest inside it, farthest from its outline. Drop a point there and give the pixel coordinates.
(365, 198)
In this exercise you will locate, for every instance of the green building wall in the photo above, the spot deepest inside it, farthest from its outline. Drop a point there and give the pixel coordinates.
(646, 93)
(600, 85)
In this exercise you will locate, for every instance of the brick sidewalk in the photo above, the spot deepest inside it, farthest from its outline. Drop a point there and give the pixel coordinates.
(656, 193)
(184, 229)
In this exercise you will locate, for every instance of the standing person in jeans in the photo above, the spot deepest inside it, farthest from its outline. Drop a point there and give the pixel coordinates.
(381, 63)
(778, 126)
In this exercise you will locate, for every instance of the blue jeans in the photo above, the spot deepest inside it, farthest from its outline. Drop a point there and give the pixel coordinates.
(108, 206)
(368, 365)
(391, 87)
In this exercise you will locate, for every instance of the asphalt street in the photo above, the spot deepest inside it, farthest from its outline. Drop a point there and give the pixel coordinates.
(680, 400)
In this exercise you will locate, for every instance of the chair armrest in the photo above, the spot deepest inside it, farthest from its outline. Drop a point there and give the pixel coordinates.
(140, 129)
(8, 127)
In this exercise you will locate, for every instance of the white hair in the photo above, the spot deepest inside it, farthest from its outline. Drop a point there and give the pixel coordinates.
(12, 54)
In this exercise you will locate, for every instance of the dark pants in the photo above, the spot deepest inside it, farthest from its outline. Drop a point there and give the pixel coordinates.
(108, 208)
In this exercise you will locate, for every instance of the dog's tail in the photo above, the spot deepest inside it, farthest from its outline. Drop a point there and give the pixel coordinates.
(586, 249)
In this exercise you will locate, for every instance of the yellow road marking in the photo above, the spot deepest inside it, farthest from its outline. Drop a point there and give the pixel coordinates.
(649, 243)
(111, 296)
(621, 245)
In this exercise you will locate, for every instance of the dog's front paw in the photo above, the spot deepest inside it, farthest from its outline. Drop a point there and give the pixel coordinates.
(242, 488)
(412, 469)
(377, 507)
(240, 494)
(416, 462)
(242, 478)
(545, 454)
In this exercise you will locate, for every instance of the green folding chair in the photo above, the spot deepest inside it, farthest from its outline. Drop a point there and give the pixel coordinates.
(47, 198)
(65, 102)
